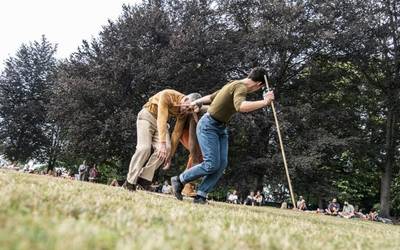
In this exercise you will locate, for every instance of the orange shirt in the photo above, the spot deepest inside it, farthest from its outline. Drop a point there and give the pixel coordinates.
(163, 105)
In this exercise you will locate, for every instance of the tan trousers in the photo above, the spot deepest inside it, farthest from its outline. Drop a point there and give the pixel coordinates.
(144, 163)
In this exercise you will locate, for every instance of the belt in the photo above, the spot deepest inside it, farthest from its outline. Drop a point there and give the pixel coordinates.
(222, 123)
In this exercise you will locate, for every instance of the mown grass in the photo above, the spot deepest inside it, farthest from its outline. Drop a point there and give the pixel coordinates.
(40, 212)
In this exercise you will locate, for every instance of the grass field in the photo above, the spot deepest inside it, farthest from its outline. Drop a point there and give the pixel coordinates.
(40, 212)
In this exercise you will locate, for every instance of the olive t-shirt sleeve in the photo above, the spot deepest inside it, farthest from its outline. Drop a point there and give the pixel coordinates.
(239, 96)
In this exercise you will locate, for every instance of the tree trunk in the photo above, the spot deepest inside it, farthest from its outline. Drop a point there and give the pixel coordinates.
(320, 203)
(50, 165)
(389, 162)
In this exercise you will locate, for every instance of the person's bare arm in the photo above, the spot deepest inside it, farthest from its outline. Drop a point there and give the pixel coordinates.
(204, 100)
(162, 127)
(249, 106)
(176, 134)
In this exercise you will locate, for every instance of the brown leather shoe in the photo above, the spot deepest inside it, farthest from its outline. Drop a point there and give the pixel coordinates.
(143, 184)
(129, 186)
(189, 190)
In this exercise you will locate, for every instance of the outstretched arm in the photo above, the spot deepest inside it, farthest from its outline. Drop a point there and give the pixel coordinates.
(205, 99)
(248, 106)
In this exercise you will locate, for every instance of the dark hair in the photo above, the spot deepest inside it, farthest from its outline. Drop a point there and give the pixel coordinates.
(257, 74)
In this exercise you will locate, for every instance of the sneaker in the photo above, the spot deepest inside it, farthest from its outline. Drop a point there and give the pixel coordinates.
(177, 187)
(130, 187)
(200, 200)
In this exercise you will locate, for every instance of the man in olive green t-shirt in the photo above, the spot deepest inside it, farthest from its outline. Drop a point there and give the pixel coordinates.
(212, 133)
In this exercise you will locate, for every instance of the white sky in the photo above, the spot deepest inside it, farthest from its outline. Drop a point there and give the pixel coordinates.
(65, 22)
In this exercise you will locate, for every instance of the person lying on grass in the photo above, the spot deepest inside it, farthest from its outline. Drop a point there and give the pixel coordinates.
(212, 131)
(152, 133)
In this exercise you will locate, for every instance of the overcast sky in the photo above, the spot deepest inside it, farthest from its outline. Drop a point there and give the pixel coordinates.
(65, 22)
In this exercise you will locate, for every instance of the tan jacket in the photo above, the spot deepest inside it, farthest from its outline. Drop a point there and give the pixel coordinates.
(164, 105)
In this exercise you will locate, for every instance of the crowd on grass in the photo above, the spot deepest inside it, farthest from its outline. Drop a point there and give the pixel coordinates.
(84, 172)
(348, 211)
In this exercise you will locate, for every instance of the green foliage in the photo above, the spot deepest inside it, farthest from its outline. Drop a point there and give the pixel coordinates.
(108, 172)
(25, 90)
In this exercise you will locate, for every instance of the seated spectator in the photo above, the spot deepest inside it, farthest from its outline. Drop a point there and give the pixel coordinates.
(114, 183)
(155, 187)
(258, 199)
(70, 175)
(373, 215)
(250, 200)
(284, 205)
(348, 211)
(333, 208)
(166, 188)
(233, 197)
(93, 174)
(358, 213)
(301, 204)
(82, 170)
(58, 172)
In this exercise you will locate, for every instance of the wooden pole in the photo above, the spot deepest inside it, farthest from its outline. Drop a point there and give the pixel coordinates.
(282, 149)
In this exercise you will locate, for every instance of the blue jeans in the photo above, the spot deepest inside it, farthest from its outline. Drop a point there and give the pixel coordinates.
(213, 139)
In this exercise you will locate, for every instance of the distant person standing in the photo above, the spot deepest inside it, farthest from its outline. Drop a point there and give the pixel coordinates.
(83, 169)
(93, 174)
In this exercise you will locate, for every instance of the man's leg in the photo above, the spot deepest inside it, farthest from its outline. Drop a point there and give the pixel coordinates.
(145, 132)
(209, 143)
(209, 181)
(154, 162)
(210, 147)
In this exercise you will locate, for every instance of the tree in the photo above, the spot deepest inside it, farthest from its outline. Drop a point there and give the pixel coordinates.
(25, 89)
(367, 33)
